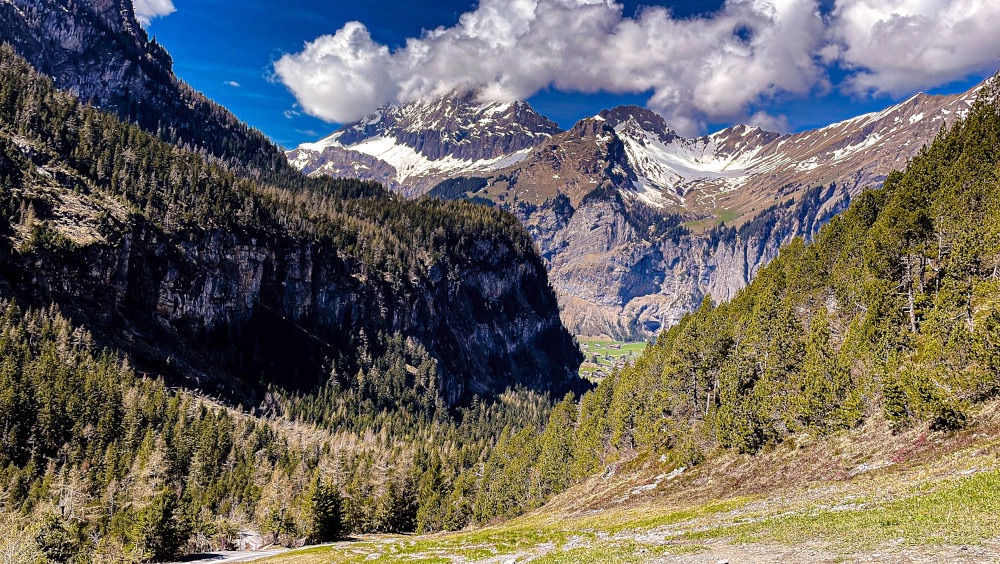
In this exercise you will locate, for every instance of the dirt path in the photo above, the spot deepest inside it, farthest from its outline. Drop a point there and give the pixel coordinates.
(227, 557)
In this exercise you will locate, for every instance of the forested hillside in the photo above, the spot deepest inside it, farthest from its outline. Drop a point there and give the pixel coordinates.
(99, 463)
(288, 282)
(367, 352)
(892, 312)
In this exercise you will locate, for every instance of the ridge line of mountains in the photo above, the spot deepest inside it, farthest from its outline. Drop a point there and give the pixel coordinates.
(636, 223)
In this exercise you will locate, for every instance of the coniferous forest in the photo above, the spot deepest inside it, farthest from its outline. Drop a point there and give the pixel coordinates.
(891, 311)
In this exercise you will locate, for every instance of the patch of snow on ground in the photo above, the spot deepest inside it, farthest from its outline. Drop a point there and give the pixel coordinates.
(493, 108)
(869, 142)
(329, 141)
(648, 194)
(302, 159)
(808, 164)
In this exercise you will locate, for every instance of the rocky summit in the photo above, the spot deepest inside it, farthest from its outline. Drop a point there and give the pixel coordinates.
(412, 147)
(97, 50)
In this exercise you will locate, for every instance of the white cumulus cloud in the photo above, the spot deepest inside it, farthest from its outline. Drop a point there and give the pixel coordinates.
(146, 10)
(696, 69)
(897, 46)
(769, 122)
(722, 67)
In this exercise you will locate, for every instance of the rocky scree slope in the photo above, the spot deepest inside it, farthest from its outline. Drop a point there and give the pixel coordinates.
(638, 224)
(97, 50)
(225, 284)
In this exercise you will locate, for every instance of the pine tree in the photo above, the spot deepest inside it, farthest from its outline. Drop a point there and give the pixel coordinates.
(162, 531)
(327, 513)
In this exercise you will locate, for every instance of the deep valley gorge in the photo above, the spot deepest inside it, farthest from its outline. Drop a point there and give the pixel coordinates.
(458, 330)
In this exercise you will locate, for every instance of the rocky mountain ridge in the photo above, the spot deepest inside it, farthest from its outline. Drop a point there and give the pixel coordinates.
(637, 224)
(97, 50)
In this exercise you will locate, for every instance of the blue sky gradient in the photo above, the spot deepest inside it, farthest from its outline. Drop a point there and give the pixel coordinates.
(227, 51)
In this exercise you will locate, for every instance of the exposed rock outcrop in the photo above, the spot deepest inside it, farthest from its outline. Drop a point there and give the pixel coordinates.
(615, 277)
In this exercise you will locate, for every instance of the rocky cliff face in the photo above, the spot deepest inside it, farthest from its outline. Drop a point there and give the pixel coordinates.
(615, 276)
(217, 304)
(94, 49)
(97, 50)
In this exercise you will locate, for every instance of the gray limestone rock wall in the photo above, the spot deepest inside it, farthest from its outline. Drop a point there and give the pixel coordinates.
(203, 307)
(613, 278)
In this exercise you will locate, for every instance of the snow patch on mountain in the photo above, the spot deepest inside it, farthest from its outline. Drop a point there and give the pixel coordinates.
(672, 168)
(675, 165)
(410, 164)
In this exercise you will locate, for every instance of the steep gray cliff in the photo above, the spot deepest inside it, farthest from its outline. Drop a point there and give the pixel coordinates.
(279, 311)
(617, 277)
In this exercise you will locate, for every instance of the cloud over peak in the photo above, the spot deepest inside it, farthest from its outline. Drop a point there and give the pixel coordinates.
(697, 70)
(146, 10)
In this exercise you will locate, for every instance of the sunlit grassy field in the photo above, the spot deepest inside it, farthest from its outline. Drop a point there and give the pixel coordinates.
(964, 511)
(602, 355)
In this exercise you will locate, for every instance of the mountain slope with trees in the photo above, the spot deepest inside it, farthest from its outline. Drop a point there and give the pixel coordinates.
(286, 282)
(891, 313)
(382, 347)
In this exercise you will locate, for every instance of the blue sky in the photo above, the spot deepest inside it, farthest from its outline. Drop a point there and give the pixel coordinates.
(228, 51)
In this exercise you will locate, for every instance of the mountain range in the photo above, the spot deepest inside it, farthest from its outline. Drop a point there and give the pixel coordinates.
(637, 224)
(199, 342)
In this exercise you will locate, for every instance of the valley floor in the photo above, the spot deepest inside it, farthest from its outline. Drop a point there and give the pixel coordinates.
(867, 496)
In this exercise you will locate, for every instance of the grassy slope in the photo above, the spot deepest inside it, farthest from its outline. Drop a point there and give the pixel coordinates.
(619, 351)
(868, 494)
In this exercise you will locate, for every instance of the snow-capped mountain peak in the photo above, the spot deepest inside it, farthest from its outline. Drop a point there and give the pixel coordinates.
(416, 145)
